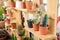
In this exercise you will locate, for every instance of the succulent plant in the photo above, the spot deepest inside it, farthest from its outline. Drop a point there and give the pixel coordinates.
(35, 21)
(45, 19)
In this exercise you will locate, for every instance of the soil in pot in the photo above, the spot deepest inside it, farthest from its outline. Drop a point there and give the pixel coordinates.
(43, 30)
(35, 27)
(29, 24)
(29, 5)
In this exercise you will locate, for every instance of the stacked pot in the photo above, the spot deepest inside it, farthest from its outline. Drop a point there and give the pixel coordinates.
(19, 4)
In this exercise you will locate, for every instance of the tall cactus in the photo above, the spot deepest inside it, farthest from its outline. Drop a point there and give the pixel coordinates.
(45, 19)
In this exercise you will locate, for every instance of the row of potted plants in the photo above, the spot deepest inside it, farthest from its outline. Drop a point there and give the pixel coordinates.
(35, 24)
(39, 24)
(21, 34)
(19, 4)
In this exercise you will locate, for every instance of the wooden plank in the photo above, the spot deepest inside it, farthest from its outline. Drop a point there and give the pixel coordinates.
(52, 13)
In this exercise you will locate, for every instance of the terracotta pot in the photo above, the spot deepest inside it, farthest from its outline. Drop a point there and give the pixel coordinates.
(23, 5)
(13, 25)
(10, 14)
(11, 4)
(20, 38)
(7, 21)
(5, 12)
(43, 30)
(36, 27)
(2, 23)
(29, 5)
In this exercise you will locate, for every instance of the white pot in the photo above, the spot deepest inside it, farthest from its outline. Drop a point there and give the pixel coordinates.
(18, 4)
(5, 3)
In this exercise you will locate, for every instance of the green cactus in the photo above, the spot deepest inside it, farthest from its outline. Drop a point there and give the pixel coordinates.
(20, 0)
(45, 19)
(12, 0)
(14, 37)
(19, 27)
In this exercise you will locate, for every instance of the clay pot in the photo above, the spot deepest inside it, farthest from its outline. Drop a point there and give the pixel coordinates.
(35, 27)
(13, 25)
(10, 14)
(7, 21)
(43, 30)
(11, 4)
(29, 5)
(23, 5)
(5, 12)
(2, 23)
(20, 37)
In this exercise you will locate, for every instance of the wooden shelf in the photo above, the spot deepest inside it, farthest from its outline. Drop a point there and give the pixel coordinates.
(36, 33)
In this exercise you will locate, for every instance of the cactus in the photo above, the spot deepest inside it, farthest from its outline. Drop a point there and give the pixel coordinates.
(14, 37)
(12, 0)
(19, 27)
(20, 0)
(45, 19)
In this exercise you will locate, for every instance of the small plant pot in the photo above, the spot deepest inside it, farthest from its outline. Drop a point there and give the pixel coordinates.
(11, 4)
(18, 4)
(23, 5)
(10, 14)
(5, 3)
(2, 23)
(35, 27)
(5, 12)
(43, 30)
(13, 25)
(20, 38)
(29, 5)
(7, 21)
(29, 24)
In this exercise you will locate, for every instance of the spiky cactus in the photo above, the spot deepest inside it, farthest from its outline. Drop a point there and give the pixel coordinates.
(45, 19)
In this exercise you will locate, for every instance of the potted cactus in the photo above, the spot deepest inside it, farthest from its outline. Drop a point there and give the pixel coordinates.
(2, 22)
(4, 11)
(43, 29)
(35, 24)
(29, 4)
(29, 23)
(11, 3)
(20, 31)
(14, 37)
